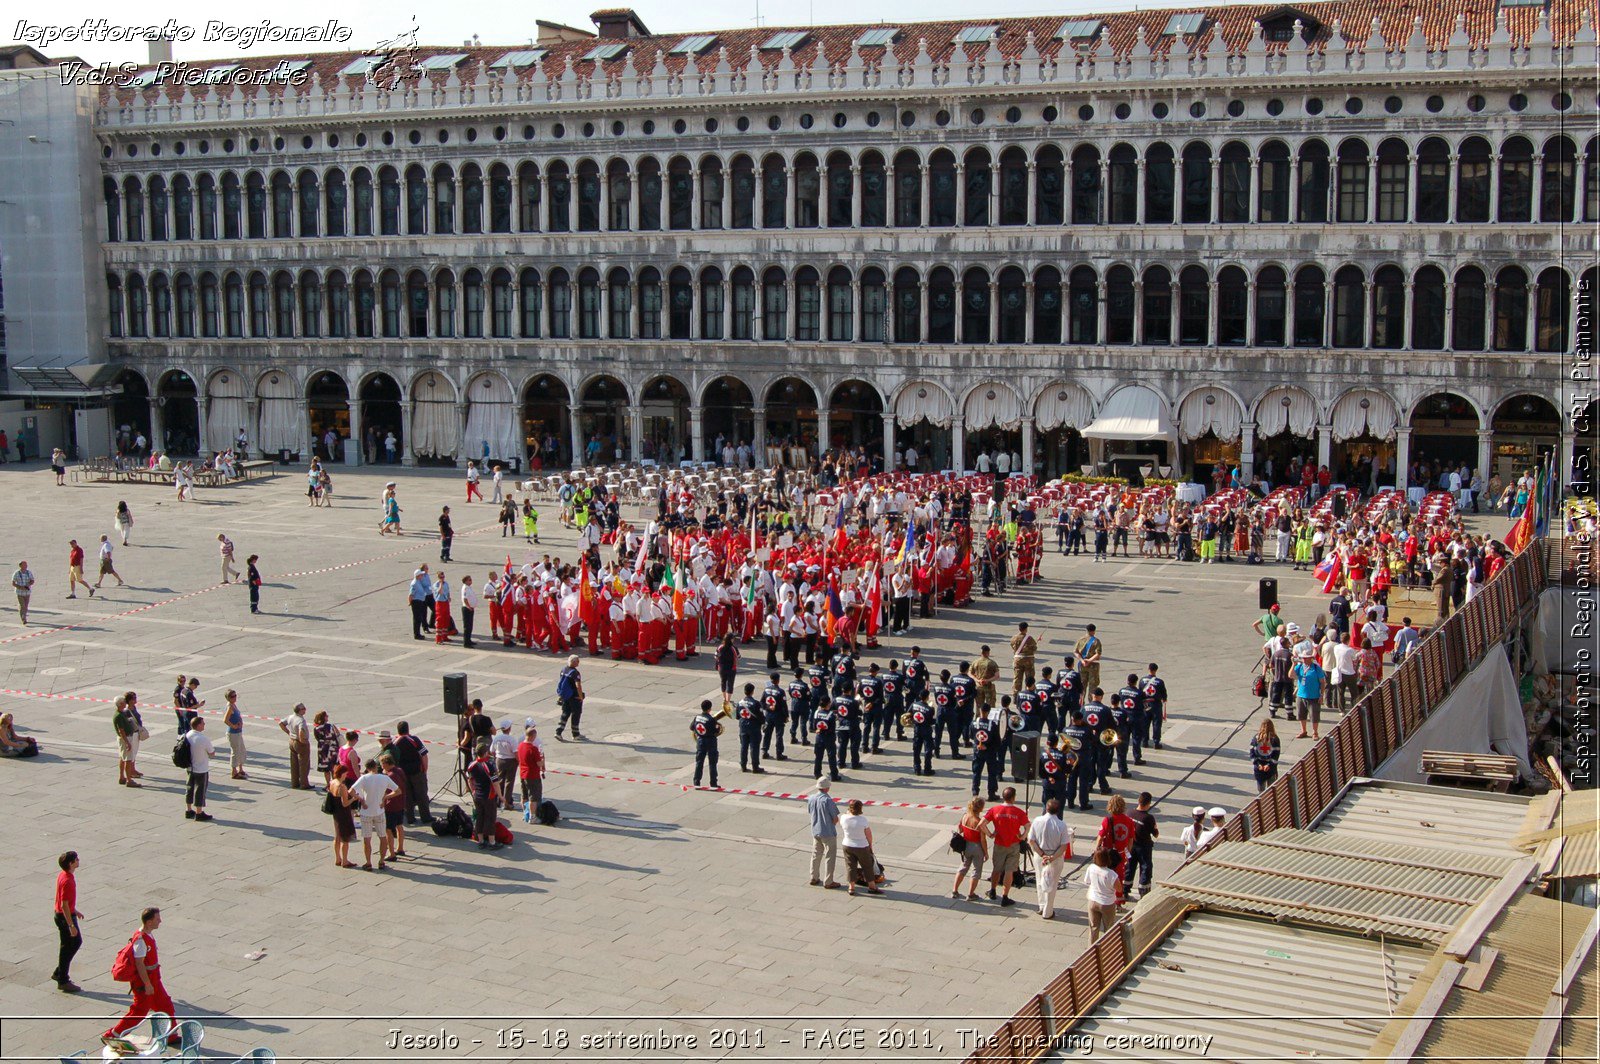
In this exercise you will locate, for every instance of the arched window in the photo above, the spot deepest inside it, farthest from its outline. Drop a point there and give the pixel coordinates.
(1233, 306)
(874, 306)
(1086, 186)
(501, 303)
(206, 206)
(874, 191)
(559, 183)
(501, 198)
(334, 202)
(1157, 309)
(907, 306)
(649, 303)
(1273, 196)
(1349, 307)
(743, 324)
(531, 299)
(1472, 180)
(1550, 310)
(841, 305)
(1160, 182)
(774, 304)
(1511, 310)
(114, 308)
(338, 305)
(1234, 173)
(1353, 170)
(259, 300)
(416, 304)
(807, 304)
(233, 300)
(744, 193)
(472, 304)
(1122, 202)
(361, 191)
(1196, 184)
(527, 198)
(1427, 308)
(388, 202)
(1050, 180)
(711, 193)
(310, 304)
(108, 188)
(1194, 307)
(907, 190)
(1516, 180)
(807, 191)
(138, 308)
(282, 305)
(1310, 306)
(1471, 306)
(978, 180)
(183, 208)
(310, 203)
(1120, 305)
(444, 303)
(941, 306)
(975, 306)
(619, 304)
(158, 209)
(1433, 181)
(1013, 188)
(774, 193)
(210, 306)
(712, 310)
(1047, 305)
(255, 205)
(560, 324)
(1557, 183)
(1313, 182)
(1388, 308)
(588, 196)
(588, 299)
(160, 306)
(649, 195)
(1393, 165)
(416, 200)
(1083, 325)
(841, 193)
(444, 199)
(942, 189)
(366, 302)
(471, 198)
(282, 206)
(680, 304)
(391, 302)
(1272, 302)
(1013, 294)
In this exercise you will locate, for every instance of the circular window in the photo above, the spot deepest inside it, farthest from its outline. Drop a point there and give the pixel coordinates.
(839, 120)
(227, 145)
(1086, 113)
(499, 132)
(1353, 105)
(872, 120)
(1474, 103)
(1159, 110)
(1197, 110)
(155, 149)
(105, 152)
(743, 124)
(616, 129)
(179, 148)
(305, 143)
(588, 129)
(277, 143)
(648, 128)
(472, 134)
(1393, 105)
(254, 145)
(1561, 101)
(806, 121)
(942, 118)
(527, 132)
(1274, 107)
(680, 127)
(1434, 104)
(205, 147)
(1314, 106)
(1050, 114)
(444, 136)
(388, 137)
(333, 140)
(1123, 111)
(976, 117)
(908, 119)
(558, 130)
(1518, 102)
(1013, 114)
(1235, 108)
(711, 125)
(774, 123)
(415, 136)
(133, 149)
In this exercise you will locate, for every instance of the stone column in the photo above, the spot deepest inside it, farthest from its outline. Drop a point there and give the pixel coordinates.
(727, 199)
(1494, 188)
(636, 432)
(1486, 452)
(307, 446)
(922, 310)
(1538, 190)
(958, 443)
(1327, 311)
(1405, 317)
(926, 189)
(1411, 187)
(1372, 187)
(888, 442)
(1247, 449)
(1138, 193)
(1027, 446)
(252, 423)
(959, 323)
(604, 221)
(822, 428)
(407, 455)
(1402, 457)
(1027, 318)
(855, 197)
(791, 183)
(1288, 312)
(1579, 196)
(575, 432)
(1368, 318)
(356, 443)
(1211, 313)
(1138, 306)
(697, 439)
(694, 308)
(1455, 163)
(467, 448)
(1250, 314)
(694, 198)
(1325, 444)
(1294, 190)
(1033, 193)
(1253, 206)
(1216, 187)
(791, 311)
(1100, 312)
(994, 311)
(1450, 313)
(759, 440)
(541, 217)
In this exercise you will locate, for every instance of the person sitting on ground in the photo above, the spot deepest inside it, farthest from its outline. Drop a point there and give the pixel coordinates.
(12, 744)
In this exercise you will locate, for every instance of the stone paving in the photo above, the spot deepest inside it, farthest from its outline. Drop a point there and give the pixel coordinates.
(652, 911)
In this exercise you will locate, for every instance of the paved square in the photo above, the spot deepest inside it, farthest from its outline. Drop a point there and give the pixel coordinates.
(651, 910)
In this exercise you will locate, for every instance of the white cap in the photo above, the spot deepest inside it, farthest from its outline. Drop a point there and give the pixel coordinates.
(1217, 810)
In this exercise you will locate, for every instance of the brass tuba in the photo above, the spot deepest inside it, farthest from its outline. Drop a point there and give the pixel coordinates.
(1069, 742)
(905, 719)
(1110, 737)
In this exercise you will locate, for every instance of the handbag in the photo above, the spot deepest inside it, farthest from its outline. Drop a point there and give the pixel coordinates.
(330, 804)
(958, 842)
(1259, 688)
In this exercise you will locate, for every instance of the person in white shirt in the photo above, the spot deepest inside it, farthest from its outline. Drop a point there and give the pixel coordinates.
(911, 458)
(1213, 831)
(499, 484)
(469, 610)
(503, 753)
(984, 465)
(201, 750)
(1002, 463)
(1191, 834)
(1101, 880)
(855, 835)
(371, 788)
(1051, 840)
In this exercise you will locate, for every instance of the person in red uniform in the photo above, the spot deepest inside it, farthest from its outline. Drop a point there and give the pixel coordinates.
(143, 970)
(67, 925)
(1117, 832)
(491, 592)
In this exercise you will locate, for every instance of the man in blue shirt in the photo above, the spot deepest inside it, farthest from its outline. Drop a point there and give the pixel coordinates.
(824, 833)
(421, 599)
(1308, 678)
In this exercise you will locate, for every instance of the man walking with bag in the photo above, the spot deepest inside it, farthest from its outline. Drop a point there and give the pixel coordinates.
(569, 691)
(137, 963)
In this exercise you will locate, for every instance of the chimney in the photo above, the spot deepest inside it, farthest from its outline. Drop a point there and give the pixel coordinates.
(160, 50)
(618, 24)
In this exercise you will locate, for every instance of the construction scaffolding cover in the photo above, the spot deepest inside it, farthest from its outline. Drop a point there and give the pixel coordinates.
(1483, 715)
(1134, 413)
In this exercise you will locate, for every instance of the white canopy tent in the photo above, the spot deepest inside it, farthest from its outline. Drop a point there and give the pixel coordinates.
(1133, 413)
(278, 420)
(225, 409)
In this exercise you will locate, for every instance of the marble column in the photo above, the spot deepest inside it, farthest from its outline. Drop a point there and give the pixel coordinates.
(636, 432)
(1247, 450)
(1027, 446)
(1402, 457)
(575, 425)
(958, 444)
(697, 440)
(1325, 444)
(888, 442)
(1486, 452)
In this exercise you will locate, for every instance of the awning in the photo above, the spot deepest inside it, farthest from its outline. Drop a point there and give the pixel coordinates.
(82, 381)
(1132, 414)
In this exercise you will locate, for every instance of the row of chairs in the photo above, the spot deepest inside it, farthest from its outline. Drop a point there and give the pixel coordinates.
(154, 1046)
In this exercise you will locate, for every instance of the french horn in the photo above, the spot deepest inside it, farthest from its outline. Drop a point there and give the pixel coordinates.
(1109, 737)
(1069, 742)
(905, 719)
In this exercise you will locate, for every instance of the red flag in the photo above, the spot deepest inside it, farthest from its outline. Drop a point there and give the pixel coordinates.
(875, 602)
(1522, 532)
(586, 600)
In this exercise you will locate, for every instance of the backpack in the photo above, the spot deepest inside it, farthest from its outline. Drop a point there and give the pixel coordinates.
(182, 754)
(566, 687)
(547, 813)
(458, 823)
(123, 968)
(502, 834)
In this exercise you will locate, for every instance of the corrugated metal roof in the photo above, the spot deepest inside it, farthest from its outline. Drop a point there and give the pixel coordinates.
(1441, 817)
(1223, 987)
(1334, 880)
(1579, 857)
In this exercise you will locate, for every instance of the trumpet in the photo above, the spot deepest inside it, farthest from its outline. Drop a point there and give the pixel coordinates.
(1069, 742)
(1110, 737)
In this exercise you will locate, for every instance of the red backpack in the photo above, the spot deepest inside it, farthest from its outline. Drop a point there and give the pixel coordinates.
(123, 968)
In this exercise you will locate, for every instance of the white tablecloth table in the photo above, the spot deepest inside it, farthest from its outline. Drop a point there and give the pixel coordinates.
(1190, 492)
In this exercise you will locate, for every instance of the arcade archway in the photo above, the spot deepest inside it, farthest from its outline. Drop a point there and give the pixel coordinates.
(547, 423)
(381, 418)
(791, 423)
(328, 405)
(177, 397)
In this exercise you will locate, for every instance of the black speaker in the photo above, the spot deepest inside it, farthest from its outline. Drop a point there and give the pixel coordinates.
(455, 693)
(1024, 756)
(1267, 592)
